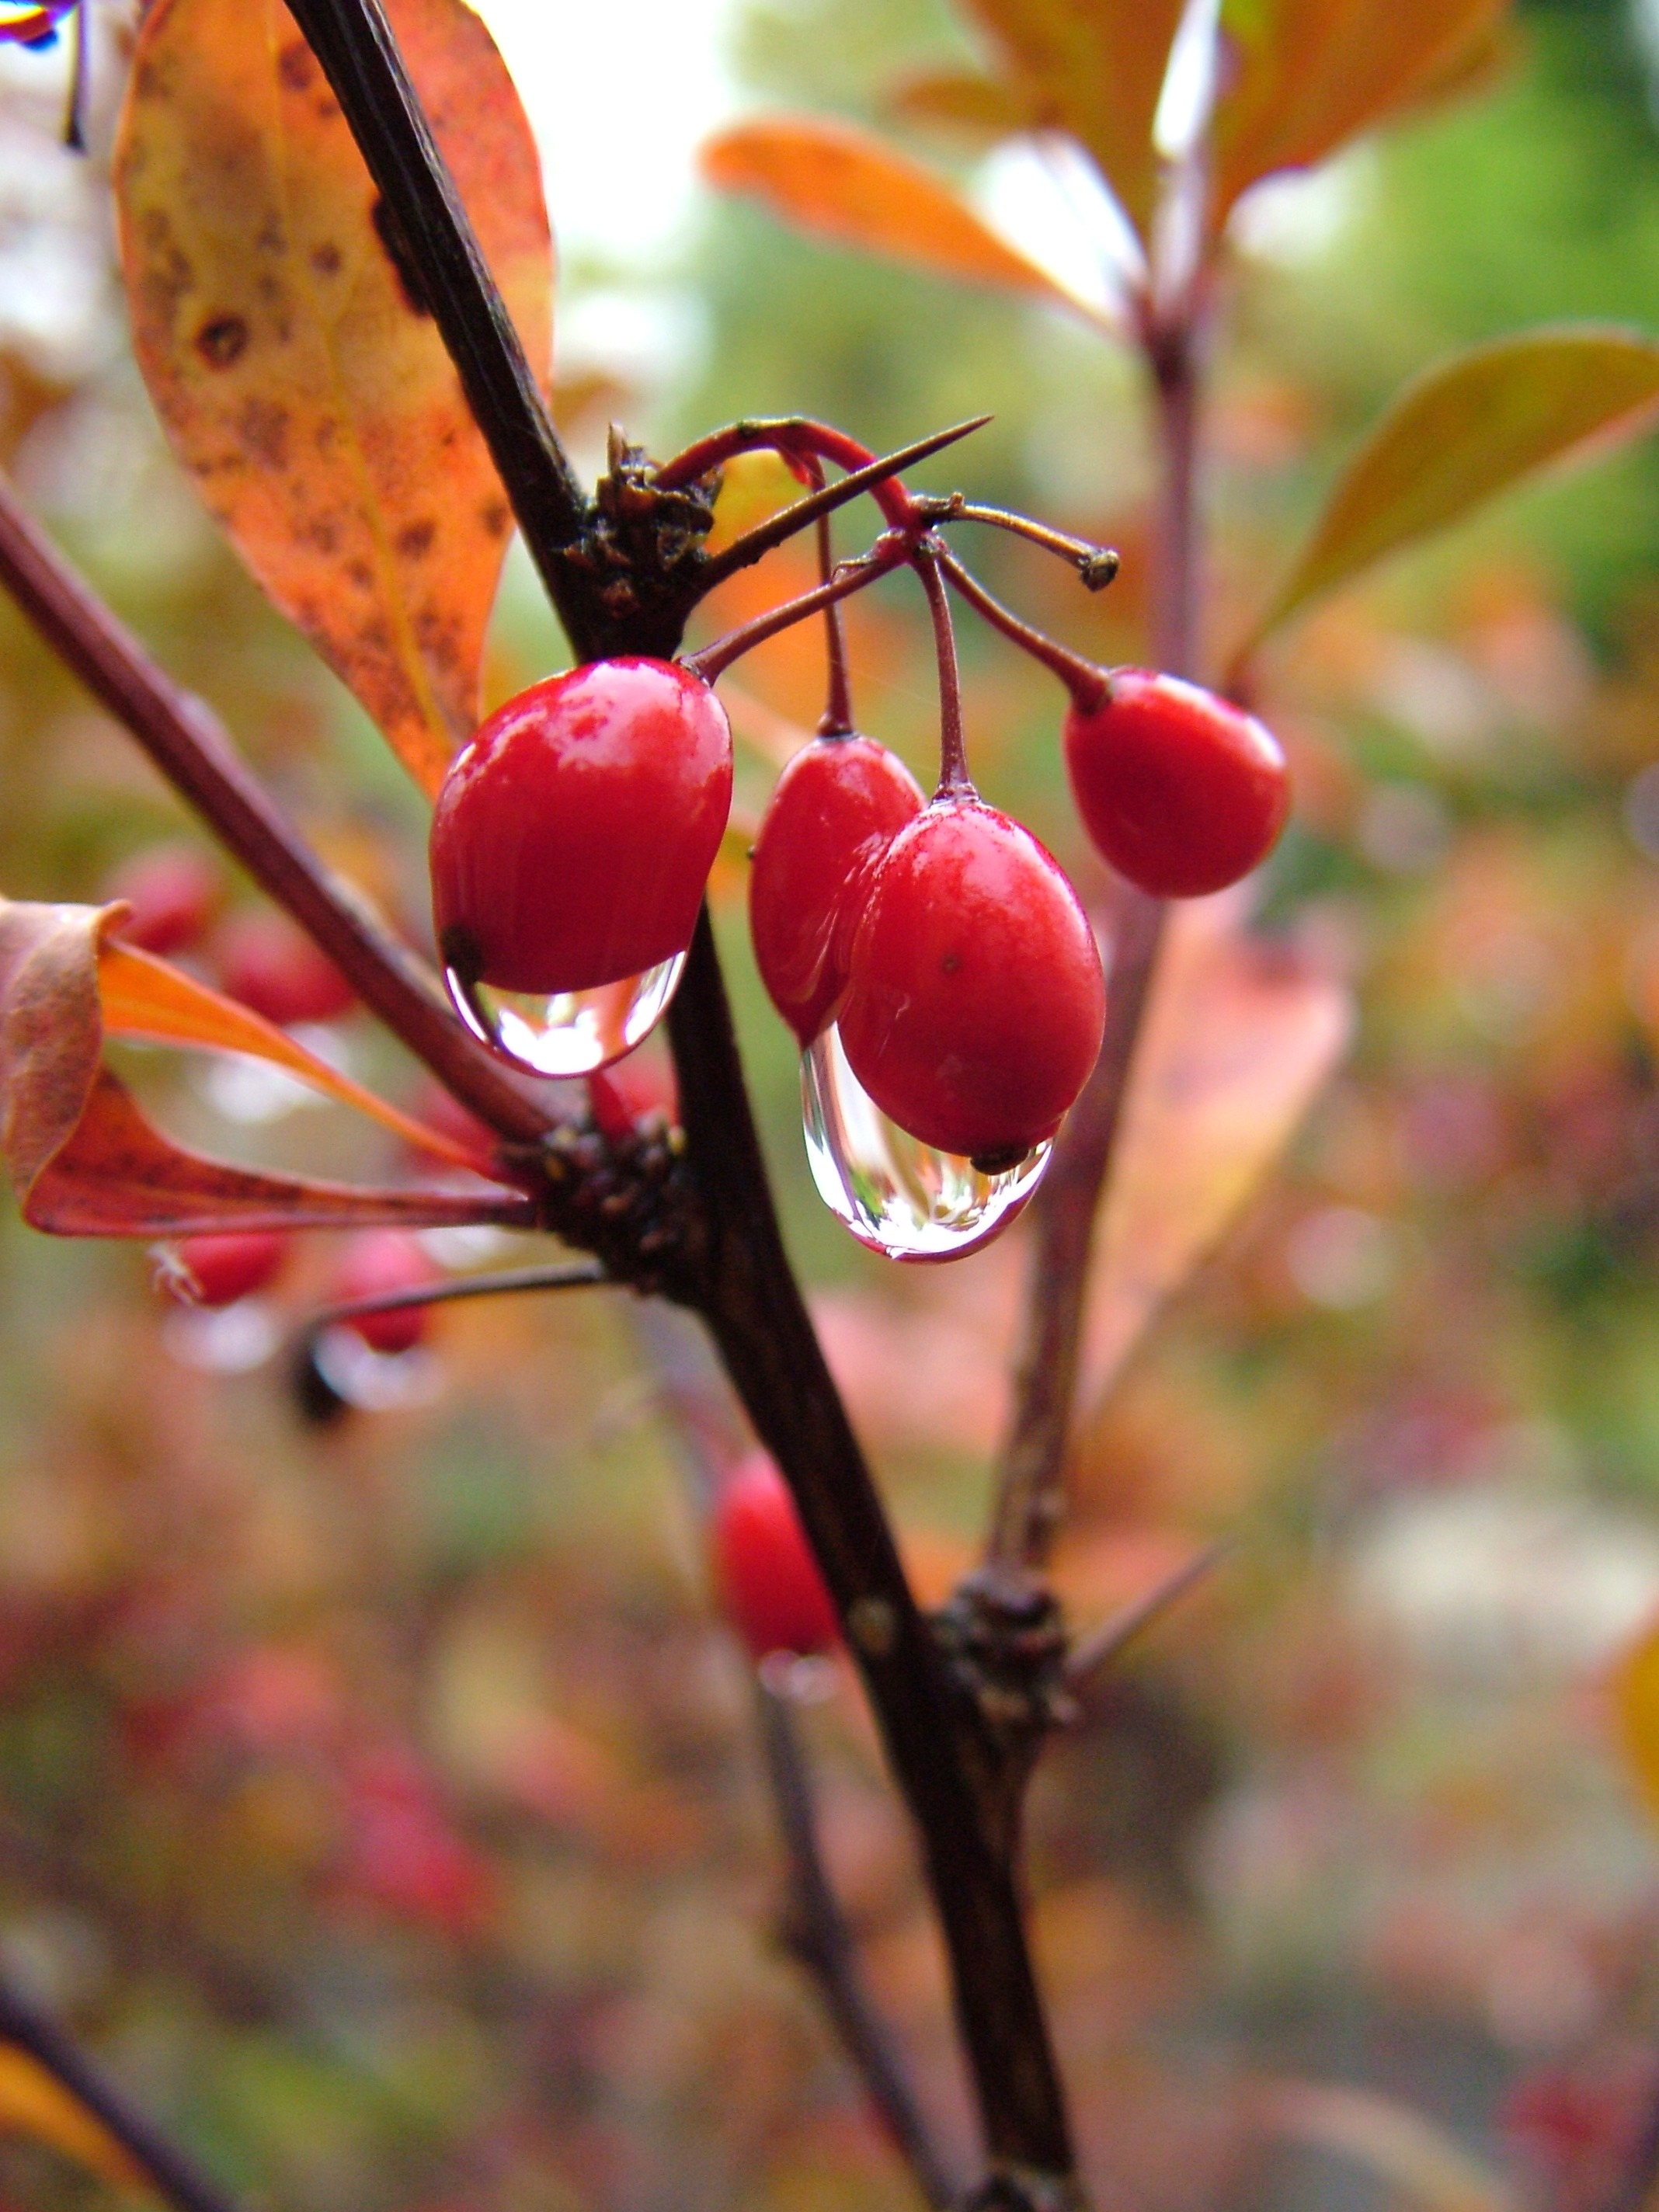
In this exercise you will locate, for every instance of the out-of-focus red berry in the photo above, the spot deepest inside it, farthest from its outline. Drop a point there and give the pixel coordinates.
(976, 1002)
(375, 1262)
(228, 1266)
(404, 1854)
(268, 964)
(174, 892)
(1183, 791)
(768, 1580)
(574, 836)
(838, 806)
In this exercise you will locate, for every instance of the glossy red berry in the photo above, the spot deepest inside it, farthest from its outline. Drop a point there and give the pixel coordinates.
(1183, 791)
(174, 891)
(226, 1268)
(375, 1262)
(573, 836)
(838, 806)
(270, 964)
(768, 1580)
(976, 1002)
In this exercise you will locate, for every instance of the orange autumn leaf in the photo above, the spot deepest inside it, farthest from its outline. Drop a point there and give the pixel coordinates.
(306, 390)
(844, 184)
(1303, 76)
(36, 2104)
(1096, 70)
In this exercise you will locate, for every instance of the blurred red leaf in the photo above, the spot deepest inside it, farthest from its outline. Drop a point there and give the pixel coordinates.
(304, 388)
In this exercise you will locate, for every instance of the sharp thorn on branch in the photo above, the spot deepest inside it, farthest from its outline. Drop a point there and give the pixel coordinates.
(562, 1275)
(744, 551)
(1109, 1642)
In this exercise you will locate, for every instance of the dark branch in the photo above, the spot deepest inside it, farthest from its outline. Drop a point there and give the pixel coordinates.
(174, 2175)
(353, 41)
(816, 1935)
(192, 750)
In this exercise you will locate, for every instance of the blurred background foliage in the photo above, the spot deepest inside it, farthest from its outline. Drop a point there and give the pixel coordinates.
(380, 1798)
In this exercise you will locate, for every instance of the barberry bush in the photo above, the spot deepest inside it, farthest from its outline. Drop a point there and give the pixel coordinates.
(338, 278)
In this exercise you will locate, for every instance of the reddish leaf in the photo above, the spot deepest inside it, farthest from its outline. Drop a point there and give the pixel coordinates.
(83, 1160)
(115, 1175)
(1239, 1038)
(302, 385)
(982, 108)
(844, 184)
(1095, 67)
(1303, 76)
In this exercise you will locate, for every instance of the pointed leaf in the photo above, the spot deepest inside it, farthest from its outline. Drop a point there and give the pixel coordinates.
(1300, 78)
(1469, 428)
(982, 108)
(116, 1176)
(1239, 1037)
(35, 2103)
(1095, 67)
(302, 385)
(846, 184)
(144, 997)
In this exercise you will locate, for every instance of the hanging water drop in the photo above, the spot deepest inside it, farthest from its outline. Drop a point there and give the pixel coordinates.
(900, 1197)
(567, 1033)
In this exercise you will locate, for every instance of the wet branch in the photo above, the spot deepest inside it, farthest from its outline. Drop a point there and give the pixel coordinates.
(176, 2176)
(746, 1289)
(817, 1935)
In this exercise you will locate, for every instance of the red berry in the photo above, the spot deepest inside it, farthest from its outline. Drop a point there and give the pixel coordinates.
(174, 892)
(768, 1580)
(837, 806)
(270, 964)
(976, 1005)
(574, 834)
(375, 1263)
(1183, 791)
(231, 1266)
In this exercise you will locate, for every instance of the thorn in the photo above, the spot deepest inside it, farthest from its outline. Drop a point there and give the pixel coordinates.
(1109, 1640)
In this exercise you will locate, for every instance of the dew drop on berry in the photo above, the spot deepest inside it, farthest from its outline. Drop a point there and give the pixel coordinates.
(897, 1196)
(568, 1032)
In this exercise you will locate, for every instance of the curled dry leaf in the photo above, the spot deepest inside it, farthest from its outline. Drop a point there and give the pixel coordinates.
(303, 383)
(1303, 76)
(1097, 72)
(846, 184)
(83, 1160)
(1239, 1038)
(35, 2103)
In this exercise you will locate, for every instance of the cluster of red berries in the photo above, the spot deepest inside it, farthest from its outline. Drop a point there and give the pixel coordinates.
(220, 1269)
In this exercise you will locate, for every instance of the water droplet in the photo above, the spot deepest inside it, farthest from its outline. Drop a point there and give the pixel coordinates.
(230, 1340)
(570, 1032)
(378, 1382)
(899, 1196)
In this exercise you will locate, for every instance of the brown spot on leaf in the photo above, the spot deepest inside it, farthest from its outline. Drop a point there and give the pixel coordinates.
(263, 427)
(221, 340)
(415, 539)
(495, 518)
(325, 258)
(361, 574)
(295, 66)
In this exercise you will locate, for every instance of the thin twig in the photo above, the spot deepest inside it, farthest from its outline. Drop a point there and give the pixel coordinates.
(745, 551)
(174, 2173)
(1112, 1638)
(192, 750)
(1096, 564)
(890, 551)
(817, 1935)
(567, 1275)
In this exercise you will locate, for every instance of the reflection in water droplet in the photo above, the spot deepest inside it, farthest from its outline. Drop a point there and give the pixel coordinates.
(572, 1032)
(899, 1196)
(378, 1382)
